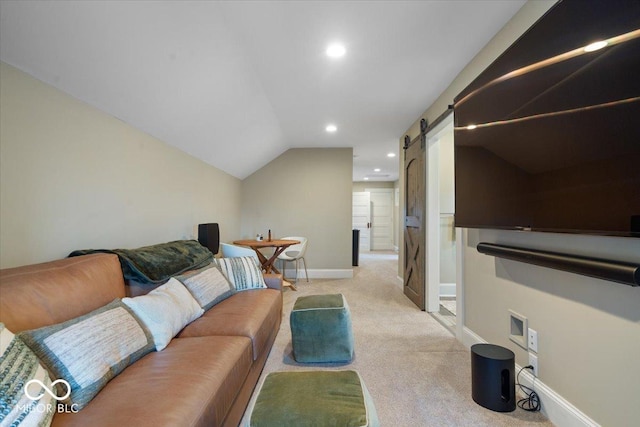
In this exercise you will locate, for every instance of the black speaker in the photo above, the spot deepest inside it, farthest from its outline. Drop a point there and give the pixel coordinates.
(493, 377)
(209, 236)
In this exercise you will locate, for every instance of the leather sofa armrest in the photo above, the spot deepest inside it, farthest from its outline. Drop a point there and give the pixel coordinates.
(273, 281)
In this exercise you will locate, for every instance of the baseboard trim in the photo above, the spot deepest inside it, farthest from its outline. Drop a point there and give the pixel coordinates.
(346, 273)
(470, 338)
(447, 289)
(559, 411)
(555, 407)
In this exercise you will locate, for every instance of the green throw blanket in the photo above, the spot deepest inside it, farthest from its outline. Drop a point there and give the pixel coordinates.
(157, 263)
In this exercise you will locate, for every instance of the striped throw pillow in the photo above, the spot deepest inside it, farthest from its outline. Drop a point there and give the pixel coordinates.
(19, 366)
(90, 350)
(244, 273)
(208, 286)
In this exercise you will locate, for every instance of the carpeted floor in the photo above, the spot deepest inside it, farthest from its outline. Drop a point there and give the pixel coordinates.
(418, 374)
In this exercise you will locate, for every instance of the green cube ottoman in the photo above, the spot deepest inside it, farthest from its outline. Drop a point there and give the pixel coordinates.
(321, 329)
(313, 399)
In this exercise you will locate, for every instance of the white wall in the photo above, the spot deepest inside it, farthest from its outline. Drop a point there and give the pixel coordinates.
(447, 207)
(73, 177)
(588, 329)
(304, 192)
(447, 172)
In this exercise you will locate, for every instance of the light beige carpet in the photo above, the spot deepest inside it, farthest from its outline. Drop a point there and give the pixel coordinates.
(418, 374)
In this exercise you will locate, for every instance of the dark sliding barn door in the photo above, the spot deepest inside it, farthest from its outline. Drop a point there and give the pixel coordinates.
(414, 221)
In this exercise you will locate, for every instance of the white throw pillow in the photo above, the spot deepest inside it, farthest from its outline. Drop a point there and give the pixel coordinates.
(244, 273)
(208, 286)
(165, 311)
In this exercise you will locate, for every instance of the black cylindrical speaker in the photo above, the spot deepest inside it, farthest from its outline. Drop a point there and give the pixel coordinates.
(493, 377)
(355, 250)
(209, 236)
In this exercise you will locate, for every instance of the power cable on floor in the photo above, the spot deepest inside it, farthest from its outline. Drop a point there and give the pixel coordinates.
(531, 402)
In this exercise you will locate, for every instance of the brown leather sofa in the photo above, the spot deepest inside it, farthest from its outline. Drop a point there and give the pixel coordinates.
(205, 377)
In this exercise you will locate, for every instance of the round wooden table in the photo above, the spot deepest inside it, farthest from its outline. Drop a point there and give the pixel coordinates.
(267, 263)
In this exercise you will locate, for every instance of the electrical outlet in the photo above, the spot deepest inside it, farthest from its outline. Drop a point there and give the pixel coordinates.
(533, 340)
(533, 361)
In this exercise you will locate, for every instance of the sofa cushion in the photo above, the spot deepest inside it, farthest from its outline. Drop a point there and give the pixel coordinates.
(251, 314)
(193, 382)
(19, 366)
(90, 350)
(165, 311)
(208, 286)
(243, 272)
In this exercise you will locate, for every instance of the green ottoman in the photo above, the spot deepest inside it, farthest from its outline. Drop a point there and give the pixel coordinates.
(313, 399)
(321, 329)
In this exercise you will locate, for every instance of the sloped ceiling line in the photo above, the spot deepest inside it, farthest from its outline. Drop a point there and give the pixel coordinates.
(238, 83)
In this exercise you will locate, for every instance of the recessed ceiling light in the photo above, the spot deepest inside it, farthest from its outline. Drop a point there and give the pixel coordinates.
(331, 128)
(376, 170)
(336, 50)
(366, 178)
(595, 46)
(391, 155)
(472, 127)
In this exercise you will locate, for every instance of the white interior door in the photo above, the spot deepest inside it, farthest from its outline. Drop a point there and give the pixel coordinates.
(362, 218)
(381, 218)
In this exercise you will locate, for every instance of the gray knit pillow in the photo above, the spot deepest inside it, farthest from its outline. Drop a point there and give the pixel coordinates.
(23, 400)
(208, 286)
(90, 350)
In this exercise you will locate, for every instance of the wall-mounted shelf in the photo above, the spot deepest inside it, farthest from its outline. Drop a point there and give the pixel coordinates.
(618, 271)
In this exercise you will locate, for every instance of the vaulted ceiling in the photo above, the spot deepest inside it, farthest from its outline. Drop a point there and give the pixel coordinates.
(238, 83)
